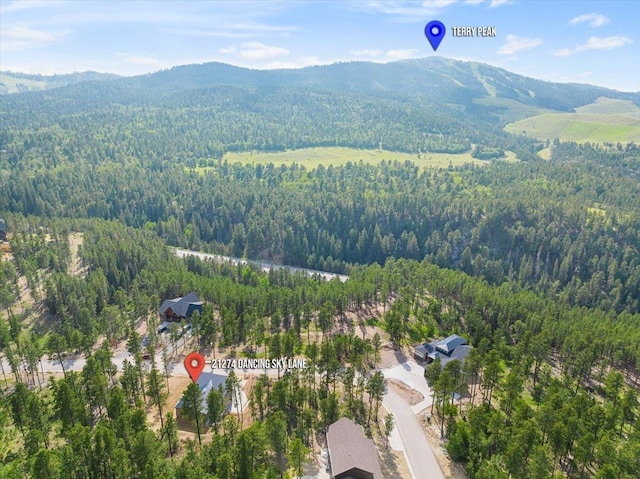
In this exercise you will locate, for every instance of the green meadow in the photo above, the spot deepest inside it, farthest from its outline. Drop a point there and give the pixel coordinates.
(313, 157)
(605, 120)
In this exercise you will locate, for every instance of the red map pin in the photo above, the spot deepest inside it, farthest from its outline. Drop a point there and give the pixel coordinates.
(194, 364)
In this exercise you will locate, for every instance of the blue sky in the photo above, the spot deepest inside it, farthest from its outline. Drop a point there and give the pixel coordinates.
(595, 42)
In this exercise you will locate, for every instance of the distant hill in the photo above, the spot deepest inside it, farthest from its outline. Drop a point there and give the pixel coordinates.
(13, 82)
(435, 78)
(196, 113)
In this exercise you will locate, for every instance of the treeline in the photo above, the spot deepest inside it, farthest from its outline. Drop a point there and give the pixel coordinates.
(566, 228)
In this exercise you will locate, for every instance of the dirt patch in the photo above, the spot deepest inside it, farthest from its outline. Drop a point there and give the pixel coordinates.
(411, 396)
(75, 265)
(177, 385)
(392, 356)
(5, 251)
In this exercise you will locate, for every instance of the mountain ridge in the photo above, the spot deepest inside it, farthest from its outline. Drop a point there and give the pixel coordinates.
(429, 77)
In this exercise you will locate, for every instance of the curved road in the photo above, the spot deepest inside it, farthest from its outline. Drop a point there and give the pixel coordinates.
(265, 265)
(421, 460)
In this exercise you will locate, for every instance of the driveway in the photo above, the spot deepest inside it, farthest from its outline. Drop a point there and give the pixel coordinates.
(412, 374)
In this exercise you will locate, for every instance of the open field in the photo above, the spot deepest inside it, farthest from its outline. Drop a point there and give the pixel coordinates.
(605, 120)
(311, 158)
(511, 110)
(545, 153)
(11, 83)
(609, 106)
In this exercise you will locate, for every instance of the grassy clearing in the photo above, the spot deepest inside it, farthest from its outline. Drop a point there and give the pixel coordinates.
(545, 153)
(579, 127)
(311, 158)
(605, 120)
(609, 106)
(12, 82)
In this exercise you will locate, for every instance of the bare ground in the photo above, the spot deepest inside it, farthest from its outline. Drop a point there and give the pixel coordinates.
(75, 265)
(450, 469)
(410, 395)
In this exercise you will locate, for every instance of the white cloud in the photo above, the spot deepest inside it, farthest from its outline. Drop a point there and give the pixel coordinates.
(594, 19)
(437, 3)
(27, 5)
(261, 27)
(21, 34)
(20, 38)
(227, 50)
(260, 51)
(401, 54)
(516, 44)
(473, 2)
(403, 11)
(596, 43)
(497, 3)
(563, 52)
(367, 53)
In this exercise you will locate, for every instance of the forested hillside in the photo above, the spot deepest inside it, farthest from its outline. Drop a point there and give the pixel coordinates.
(536, 263)
(566, 227)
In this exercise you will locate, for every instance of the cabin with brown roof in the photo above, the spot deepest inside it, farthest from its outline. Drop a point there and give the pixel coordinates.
(351, 454)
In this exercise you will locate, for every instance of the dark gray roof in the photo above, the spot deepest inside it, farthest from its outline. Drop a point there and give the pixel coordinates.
(182, 307)
(422, 349)
(349, 449)
(3, 226)
(460, 353)
(449, 344)
(207, 381)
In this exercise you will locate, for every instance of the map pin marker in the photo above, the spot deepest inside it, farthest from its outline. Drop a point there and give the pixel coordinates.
(194, 364)
(435, 33)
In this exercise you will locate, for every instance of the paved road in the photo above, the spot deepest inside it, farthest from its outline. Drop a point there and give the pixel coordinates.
(422, 462)
(265, 265)
(176, 368)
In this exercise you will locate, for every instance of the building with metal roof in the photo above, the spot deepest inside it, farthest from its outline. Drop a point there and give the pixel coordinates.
(448, 349)
(173, 310)
(207, 381)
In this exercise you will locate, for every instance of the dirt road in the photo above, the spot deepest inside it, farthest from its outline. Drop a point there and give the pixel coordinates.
(265, 265)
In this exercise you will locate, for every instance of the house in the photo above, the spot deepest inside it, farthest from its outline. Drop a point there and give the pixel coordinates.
(3, 230)
(448, 349)
(176, 309)
(351, 454)
(207, 382)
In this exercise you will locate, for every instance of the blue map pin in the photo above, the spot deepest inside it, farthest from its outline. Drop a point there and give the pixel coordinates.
(435, 33)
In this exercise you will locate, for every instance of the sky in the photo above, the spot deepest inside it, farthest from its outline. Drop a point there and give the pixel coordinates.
(596, 42)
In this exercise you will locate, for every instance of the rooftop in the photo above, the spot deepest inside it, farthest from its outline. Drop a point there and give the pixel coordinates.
(182, 307)
(207, 381)
(350, 450)
(447, 345)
